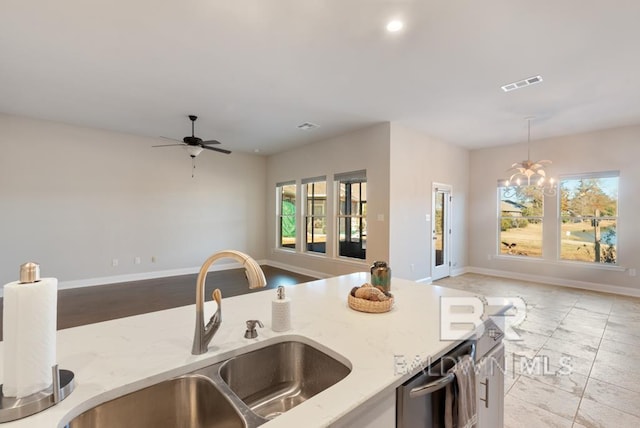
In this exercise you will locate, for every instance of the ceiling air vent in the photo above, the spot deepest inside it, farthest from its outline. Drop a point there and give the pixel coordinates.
(522, 83)
(307, 126)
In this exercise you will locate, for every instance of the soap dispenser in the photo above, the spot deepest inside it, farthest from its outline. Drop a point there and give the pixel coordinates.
(281, 312)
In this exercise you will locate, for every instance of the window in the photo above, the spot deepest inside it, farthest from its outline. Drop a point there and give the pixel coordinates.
(589, 218)
(286, 215)
(352, 214)
(520, 219)
(316, 214)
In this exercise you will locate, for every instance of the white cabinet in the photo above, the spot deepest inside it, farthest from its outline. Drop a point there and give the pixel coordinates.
(490, 389)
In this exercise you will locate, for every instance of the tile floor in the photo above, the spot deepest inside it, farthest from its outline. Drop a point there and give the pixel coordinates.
(599, 333)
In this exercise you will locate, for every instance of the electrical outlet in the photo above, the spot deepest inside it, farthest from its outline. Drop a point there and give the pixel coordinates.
(632, 272)
(136, 260)
(114, 263)
(153, 259)
(412, 267)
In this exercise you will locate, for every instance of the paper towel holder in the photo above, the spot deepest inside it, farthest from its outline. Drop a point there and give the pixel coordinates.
(62, 384)
(29, 273)
(12, 408)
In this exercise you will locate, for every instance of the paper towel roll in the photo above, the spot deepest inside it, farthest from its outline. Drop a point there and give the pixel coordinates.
(281, 314)
(29, 332)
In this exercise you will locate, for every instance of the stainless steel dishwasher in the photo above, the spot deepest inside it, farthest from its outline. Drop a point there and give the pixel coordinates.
(420, 400)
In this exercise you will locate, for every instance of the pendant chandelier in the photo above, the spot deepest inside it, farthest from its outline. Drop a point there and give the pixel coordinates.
(531, 172)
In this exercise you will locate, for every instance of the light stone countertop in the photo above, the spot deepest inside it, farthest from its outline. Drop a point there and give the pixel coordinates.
(116, 357)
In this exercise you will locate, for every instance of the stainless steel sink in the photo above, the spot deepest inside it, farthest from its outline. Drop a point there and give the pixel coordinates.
(190, 401)
(244, 391)
(276, 378)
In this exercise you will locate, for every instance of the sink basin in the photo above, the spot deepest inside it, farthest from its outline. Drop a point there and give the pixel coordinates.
(276, 378)
(245, 391)
(190, 401)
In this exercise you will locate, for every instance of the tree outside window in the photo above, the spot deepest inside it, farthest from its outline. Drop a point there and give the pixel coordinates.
(287, 216)
(589, 218)
(520, 219)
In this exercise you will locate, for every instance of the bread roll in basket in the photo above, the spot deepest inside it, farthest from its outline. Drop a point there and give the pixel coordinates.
(368, 298)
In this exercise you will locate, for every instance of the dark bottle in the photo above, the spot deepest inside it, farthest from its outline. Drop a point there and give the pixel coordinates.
(381, 276)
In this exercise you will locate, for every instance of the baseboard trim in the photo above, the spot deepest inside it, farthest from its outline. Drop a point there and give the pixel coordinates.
(570, 283)
(459, 271)
(296, 269)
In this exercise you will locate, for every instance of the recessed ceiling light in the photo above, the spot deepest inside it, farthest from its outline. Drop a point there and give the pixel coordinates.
(522, 83)
(394, 26)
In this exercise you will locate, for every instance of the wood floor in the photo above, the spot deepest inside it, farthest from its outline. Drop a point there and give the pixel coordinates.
(87, 305)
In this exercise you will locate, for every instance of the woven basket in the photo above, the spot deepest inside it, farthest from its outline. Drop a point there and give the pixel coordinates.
(364, 305)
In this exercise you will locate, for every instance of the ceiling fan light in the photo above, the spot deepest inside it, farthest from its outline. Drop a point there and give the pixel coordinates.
(193, 150)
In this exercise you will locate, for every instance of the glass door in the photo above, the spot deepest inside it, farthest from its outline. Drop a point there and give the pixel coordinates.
(440, 232)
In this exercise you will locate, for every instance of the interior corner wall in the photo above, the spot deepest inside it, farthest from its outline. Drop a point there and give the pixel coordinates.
(606, 150)
(368, 149)
(73, 199)
(418, 161)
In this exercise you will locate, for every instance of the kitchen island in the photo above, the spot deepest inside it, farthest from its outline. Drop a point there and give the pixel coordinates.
(113, 358)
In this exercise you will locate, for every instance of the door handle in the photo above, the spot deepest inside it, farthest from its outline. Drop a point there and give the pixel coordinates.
(486, 393)
(439, 383)
(432, 386)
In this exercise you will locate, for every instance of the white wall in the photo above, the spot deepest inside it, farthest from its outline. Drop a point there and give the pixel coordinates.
(74, 198)
(418, 161)
(364, 149)
(613, 149)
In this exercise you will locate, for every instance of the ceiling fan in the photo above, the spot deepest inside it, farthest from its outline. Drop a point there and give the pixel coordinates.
(194, 145)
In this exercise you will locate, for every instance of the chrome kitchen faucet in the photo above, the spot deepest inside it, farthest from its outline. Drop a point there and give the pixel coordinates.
(203, 334)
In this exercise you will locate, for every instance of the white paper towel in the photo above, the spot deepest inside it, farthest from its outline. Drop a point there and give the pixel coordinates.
(281, 314)
(29, 334)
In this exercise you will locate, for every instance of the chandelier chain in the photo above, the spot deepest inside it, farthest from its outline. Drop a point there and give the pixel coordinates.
(528, 169)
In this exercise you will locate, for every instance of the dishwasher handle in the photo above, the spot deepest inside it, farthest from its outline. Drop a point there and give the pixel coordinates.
(431, 387)
(439, 383)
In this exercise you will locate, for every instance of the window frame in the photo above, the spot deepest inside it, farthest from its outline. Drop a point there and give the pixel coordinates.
(350, 178)
(540, 218)
(616, 218)
(306, 215)
(280, 216)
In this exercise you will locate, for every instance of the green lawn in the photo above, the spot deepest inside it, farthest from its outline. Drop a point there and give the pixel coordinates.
(528, 241)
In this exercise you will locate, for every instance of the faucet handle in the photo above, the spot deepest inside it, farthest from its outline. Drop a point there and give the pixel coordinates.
(217, 296)
(251, 332)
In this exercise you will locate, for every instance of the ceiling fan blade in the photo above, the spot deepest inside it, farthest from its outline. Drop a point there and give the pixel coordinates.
(209, 142)
(216, 149)
(169, 145)
(172, 139)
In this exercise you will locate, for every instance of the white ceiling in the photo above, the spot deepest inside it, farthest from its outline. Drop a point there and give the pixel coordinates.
(255, 69)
